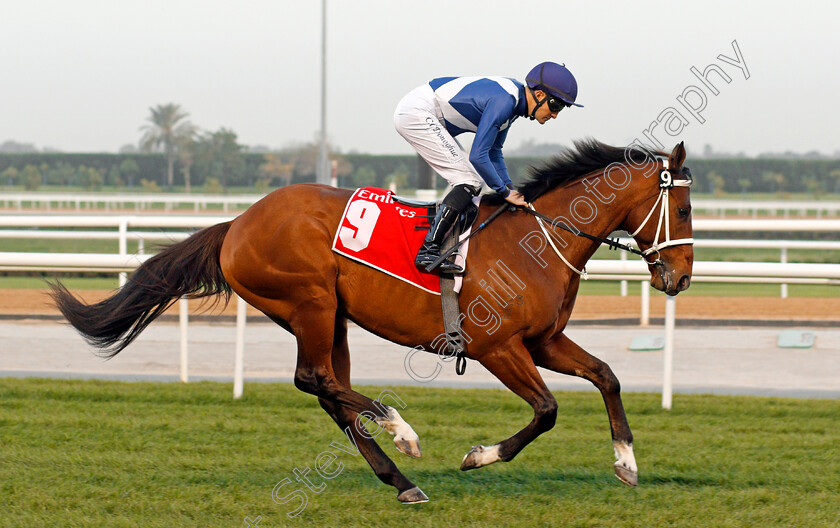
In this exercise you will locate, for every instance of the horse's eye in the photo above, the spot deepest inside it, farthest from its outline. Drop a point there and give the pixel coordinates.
(684, 211)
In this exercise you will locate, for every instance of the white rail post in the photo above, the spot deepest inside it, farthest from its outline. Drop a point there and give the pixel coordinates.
(783, 260)
(123, 246)
(183, 320)
(624, 282)
(668, 353)
(240, 347)
(645, 319)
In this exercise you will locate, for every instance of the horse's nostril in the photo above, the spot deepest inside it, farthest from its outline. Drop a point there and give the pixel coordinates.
(684, 283)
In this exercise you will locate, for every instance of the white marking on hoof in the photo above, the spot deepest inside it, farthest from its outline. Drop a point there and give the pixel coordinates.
(405, 438)
(480, 456)
(412, 496)
(625, 465)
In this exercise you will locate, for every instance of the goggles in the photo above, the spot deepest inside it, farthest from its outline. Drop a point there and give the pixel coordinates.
(555, 105)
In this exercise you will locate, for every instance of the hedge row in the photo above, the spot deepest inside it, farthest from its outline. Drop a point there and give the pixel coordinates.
(727, 175)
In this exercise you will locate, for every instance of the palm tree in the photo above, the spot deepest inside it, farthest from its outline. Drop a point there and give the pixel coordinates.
(186, 156)
(165, 132)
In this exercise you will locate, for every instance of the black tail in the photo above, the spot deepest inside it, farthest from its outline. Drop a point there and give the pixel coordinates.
(188, 268)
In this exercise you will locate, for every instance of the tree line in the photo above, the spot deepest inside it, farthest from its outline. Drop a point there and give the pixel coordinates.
(252, 172)
(176, 156)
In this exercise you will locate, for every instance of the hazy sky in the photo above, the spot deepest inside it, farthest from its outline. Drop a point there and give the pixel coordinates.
(80, 75)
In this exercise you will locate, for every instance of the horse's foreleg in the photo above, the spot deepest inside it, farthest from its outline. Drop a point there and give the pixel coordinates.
(515, 368)
(348, 422)
(563, 355)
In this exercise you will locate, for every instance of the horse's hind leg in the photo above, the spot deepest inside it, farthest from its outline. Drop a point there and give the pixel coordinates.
(314, 329)
(327, 376)
(301, 297)
(348, 422)
(563, 355)
(514, 367)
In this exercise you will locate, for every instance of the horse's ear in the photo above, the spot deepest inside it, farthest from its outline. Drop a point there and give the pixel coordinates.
(677, 156)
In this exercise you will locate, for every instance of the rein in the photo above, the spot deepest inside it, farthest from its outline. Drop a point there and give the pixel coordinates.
(666, 183)
(613, 243)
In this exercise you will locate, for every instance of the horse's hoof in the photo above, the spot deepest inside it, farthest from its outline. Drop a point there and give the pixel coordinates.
(480, 456)
(408, 446)
(412, 496)
(471, 459)
(627, 476)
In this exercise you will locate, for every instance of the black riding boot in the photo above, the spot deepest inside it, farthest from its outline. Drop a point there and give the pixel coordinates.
(430, 250)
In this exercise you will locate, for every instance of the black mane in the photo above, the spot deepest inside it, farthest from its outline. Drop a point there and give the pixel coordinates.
(589, 155)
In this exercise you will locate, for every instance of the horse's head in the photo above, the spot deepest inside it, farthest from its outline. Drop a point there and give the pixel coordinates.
(661, 224)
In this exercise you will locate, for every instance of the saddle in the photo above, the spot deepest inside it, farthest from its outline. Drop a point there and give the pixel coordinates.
(384, 232)
(465, 220)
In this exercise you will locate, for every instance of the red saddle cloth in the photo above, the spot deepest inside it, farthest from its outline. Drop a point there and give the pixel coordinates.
(380, 233)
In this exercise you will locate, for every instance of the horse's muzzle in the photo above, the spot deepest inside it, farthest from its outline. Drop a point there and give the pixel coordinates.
(668, 280)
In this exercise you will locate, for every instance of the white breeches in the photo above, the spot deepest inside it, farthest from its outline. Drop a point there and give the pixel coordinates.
(419, 120)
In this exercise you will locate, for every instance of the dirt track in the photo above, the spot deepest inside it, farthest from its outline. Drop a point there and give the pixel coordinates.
(587, 307)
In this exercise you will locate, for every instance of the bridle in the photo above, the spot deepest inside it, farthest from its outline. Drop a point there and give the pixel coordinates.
(666, 183)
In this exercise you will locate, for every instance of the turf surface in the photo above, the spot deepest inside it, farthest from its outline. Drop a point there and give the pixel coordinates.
(96, 453)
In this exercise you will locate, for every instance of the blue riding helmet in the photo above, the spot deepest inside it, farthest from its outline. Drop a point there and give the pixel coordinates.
(555, 79)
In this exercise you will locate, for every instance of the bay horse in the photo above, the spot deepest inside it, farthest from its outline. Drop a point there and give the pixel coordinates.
(277, 256)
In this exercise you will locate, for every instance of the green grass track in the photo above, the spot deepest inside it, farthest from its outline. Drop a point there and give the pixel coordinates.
(96, 453)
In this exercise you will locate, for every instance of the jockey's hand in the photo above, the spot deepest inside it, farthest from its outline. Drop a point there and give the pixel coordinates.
(516, 198)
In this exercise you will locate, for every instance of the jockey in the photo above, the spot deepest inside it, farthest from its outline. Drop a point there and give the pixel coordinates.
(431, 115)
